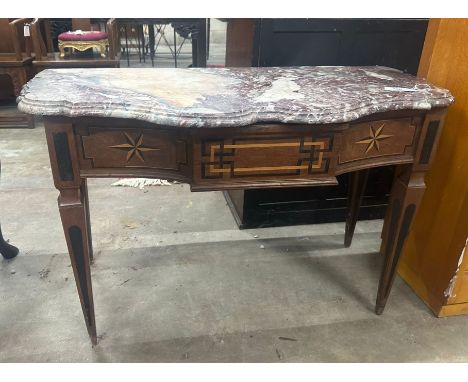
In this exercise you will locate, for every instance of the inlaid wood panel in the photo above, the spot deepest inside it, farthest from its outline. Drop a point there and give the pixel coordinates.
(265, 157)
(121, 148)
(378, 139)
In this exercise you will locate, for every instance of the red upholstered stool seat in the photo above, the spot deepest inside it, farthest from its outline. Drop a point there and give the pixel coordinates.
(83, 40)
(82, 36)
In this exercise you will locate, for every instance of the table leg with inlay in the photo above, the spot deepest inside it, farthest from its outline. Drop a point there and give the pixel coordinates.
(74, 213)
(406, 196)
(407, 192)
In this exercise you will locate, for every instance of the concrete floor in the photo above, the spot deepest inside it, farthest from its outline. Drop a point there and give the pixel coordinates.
(176, 281)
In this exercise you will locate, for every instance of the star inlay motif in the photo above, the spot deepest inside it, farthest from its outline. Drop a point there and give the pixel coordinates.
(134, 147)
(374, 138)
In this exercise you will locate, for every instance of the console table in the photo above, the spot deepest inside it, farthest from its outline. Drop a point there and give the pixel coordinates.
(221, 129)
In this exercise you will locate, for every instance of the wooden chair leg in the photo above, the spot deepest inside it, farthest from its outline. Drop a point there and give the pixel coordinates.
(73, 207)
(408, 189)
(356, 188)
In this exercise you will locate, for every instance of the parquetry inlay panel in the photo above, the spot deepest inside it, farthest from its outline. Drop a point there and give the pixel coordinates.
(265, 157)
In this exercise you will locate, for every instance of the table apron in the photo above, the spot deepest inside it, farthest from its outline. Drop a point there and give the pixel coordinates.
(257, 156)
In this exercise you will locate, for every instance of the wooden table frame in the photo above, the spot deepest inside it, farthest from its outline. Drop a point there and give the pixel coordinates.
(260, 155)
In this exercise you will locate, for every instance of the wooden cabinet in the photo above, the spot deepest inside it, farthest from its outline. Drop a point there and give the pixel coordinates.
(435, 260)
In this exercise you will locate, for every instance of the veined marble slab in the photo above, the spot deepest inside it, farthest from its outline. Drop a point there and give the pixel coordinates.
(229, 96)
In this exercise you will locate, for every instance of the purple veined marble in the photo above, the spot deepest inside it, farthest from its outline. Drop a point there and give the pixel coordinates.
(221, 97)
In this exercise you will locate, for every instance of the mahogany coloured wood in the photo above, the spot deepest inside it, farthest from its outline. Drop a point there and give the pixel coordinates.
(15, 68)
(15, 53)
(256, 156)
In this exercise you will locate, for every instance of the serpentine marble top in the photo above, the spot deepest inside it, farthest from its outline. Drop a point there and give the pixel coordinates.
(229, 96)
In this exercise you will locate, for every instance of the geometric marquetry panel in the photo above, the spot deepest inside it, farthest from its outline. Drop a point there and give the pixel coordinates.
(265, 156)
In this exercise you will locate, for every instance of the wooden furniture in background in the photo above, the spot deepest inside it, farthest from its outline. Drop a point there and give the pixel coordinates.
(203, 134)
(47, 58)
(435, 258)
(239, 42)
(15, 70)
(83, 24)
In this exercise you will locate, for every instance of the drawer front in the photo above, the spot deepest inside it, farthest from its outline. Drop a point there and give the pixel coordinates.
(263, 156)
(378, 139)
(123, 148)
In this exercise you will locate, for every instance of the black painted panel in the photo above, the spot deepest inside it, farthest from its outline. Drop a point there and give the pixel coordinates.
(305, 205)
(62, 151)
(389, 42)
(405, 225)
(395, 214)
(76, 239)
(429, 142)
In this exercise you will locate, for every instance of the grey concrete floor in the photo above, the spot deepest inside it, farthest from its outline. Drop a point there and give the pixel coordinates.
(176, 281)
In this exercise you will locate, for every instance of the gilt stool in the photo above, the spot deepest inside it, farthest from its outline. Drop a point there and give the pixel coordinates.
(83, 40)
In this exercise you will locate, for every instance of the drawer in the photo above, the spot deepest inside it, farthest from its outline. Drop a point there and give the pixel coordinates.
(131, 147)
(378, 139)
(264, 156)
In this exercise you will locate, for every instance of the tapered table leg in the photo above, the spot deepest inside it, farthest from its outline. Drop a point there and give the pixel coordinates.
(356, 188)
(73, 211)
(384, 234)
(408, 189)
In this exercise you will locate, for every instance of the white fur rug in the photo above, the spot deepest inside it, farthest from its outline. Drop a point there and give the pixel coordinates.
(141, 182)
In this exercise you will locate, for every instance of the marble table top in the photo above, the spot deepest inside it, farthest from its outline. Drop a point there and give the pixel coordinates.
(215, 97)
